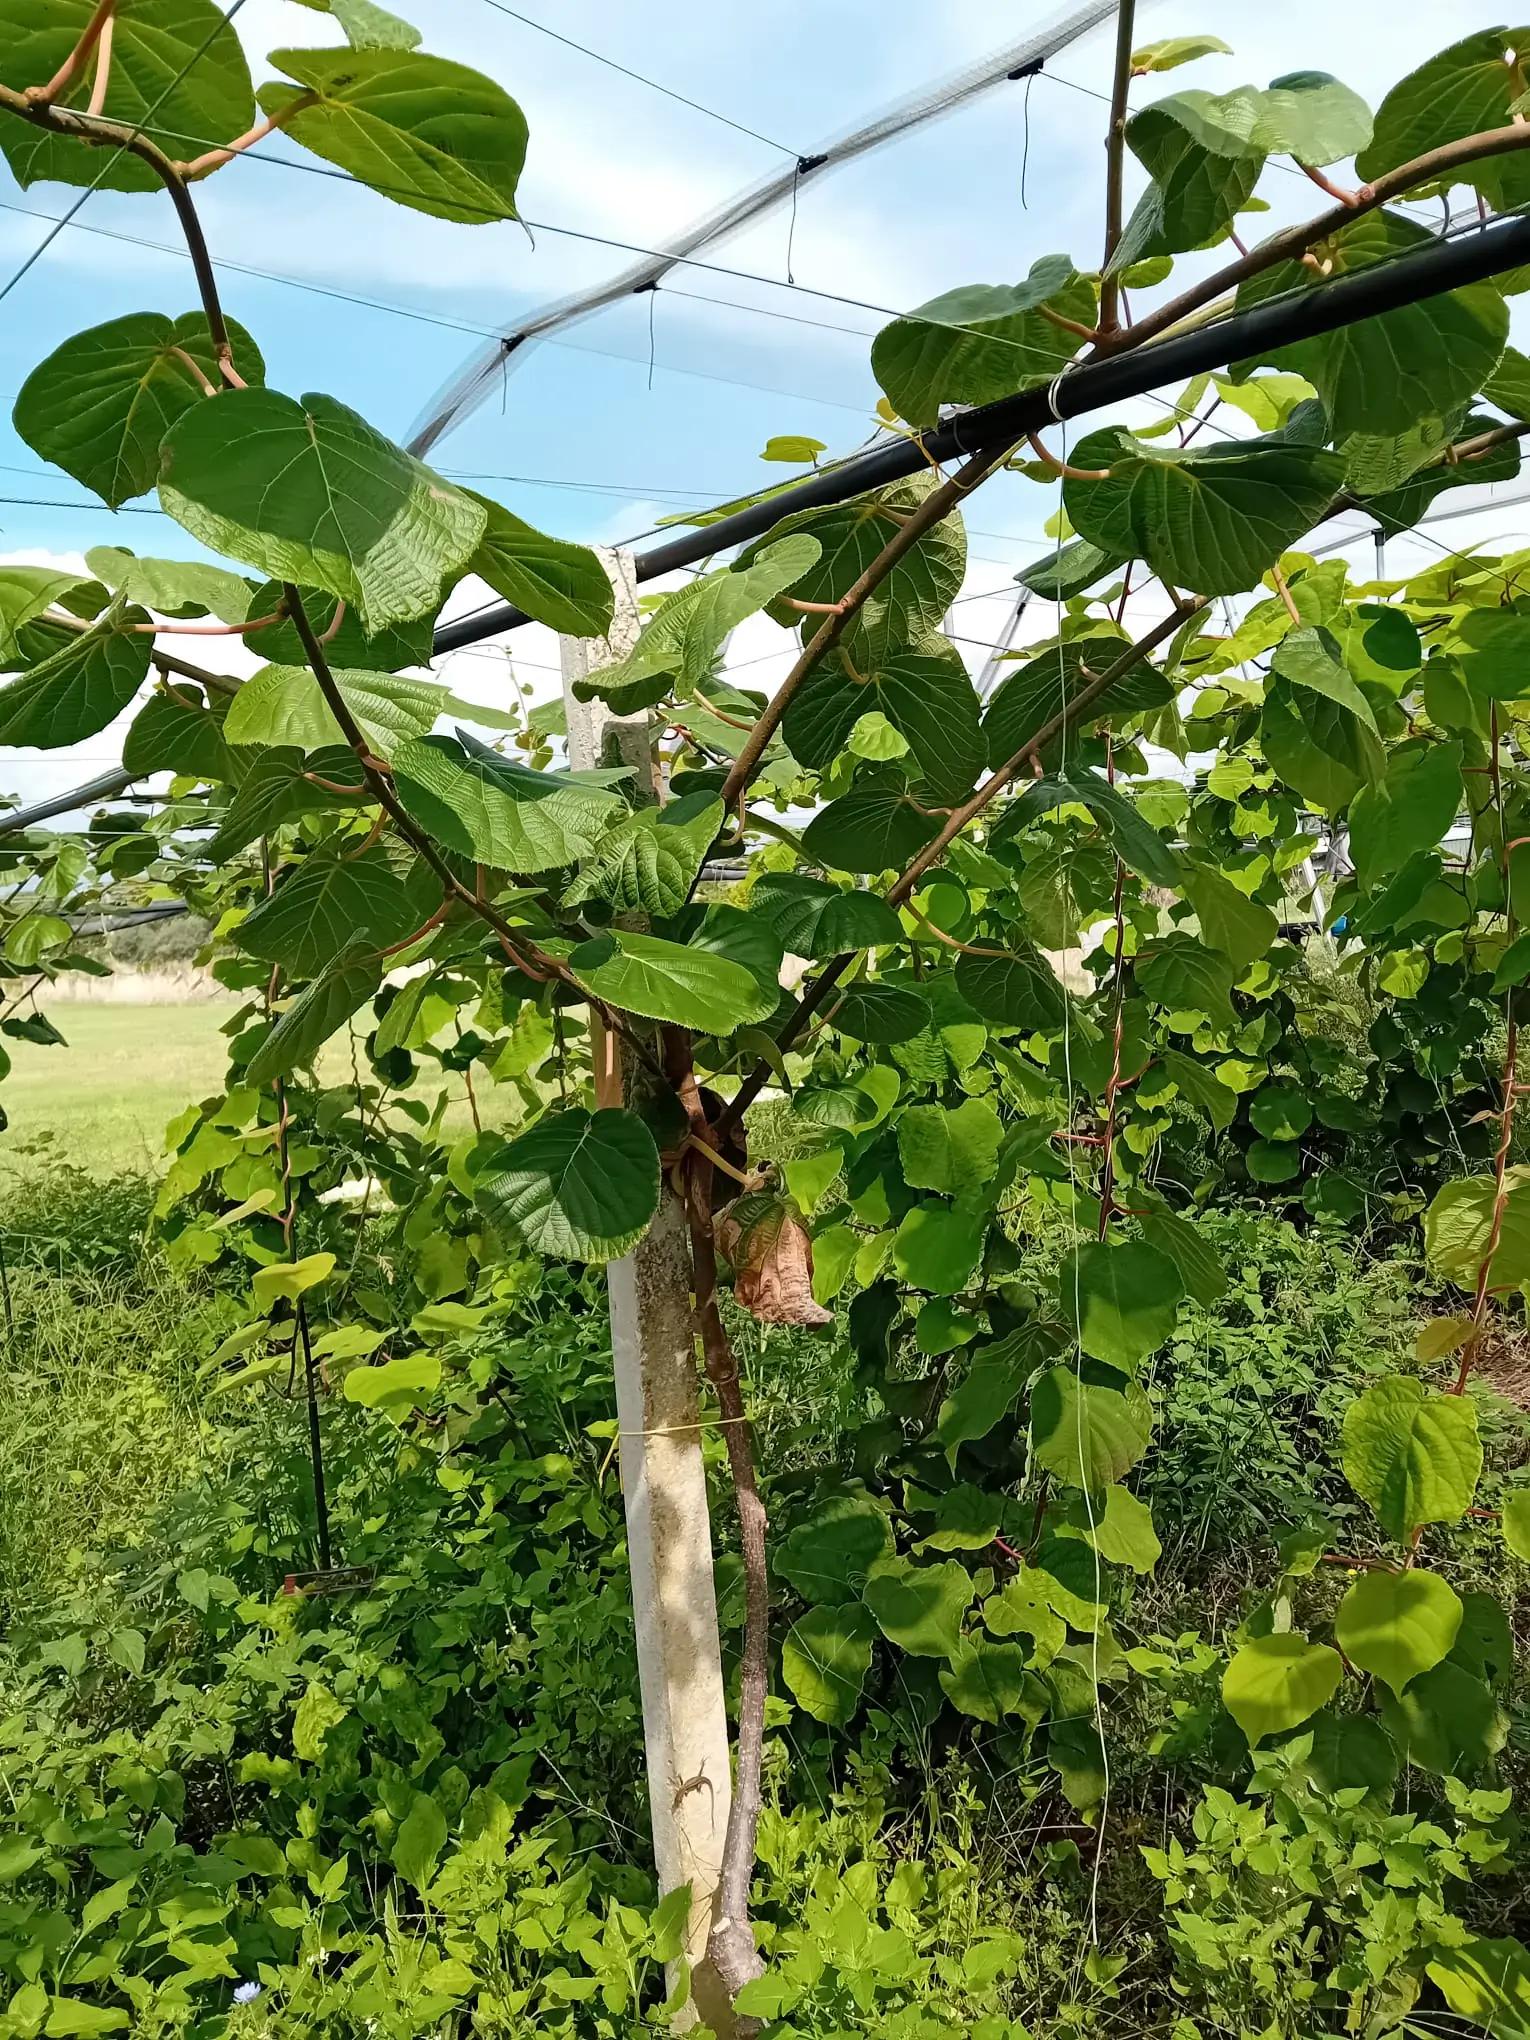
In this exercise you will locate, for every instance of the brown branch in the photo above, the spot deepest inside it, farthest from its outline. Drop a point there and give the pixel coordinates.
(730, 1945)
(112, 134)
(218, 683)
(1291, 244)
(940, 502)
(1115, 153)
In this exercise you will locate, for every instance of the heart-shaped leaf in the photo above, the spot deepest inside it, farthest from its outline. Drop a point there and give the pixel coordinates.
(980, 343)
(1089, 1425)
(825, 1657)
(927, 696)
(308, 492)
(872, 829)
(1413, 1454)
(101, 403)
(1208, 518)
(1123, 1296)
(579, 1186)
(78, 691)
(329, 903)
(1398, 1625)
(816, 920)
(1278, 1682)
(670, 981)
(431, 134)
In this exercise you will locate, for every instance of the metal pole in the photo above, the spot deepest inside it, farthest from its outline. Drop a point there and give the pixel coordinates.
(658, 1407)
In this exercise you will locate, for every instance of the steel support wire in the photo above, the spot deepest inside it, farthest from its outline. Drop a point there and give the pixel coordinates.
(1093, 386)
(482, 376)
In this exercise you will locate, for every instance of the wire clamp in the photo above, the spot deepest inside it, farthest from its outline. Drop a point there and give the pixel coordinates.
(1052, 389)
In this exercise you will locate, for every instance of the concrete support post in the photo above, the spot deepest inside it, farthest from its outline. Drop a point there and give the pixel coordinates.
(653, 1339)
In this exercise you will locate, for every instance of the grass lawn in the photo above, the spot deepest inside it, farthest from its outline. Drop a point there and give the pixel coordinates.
(102, 1104)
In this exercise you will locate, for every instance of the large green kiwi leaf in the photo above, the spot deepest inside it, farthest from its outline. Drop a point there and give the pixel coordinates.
(1386, 374)
(1486, 1981)
(1089, 1425)
(343, 987)
(283, 705)
(1204, 153)
(1278, 1682)
(578, 1186)
(496, 810)
(1211, 519)
(329, 903)
(1465, 1221)
(103, 400)
(1463, 90)
(177, 73)
(983, 341)
(434, 135)
(1412, 1453)
(77, 691)
(308, 492)
(817, 920)
(368, 27)
(1123, 1298)
(825, 1657)
(927, 696)
(278, 787)
(670, 981)
(561, 585)
(651, 860)
(869, 829)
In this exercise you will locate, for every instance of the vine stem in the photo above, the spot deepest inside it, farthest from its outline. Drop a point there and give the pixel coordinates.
(730, 1944)
(114, 134)
(940, 502)
(1115, 152)
(1118, 1016)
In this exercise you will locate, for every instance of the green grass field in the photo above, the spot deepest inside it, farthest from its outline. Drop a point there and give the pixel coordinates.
(101, 1105)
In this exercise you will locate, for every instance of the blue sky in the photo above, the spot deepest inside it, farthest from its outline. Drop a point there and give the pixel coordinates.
(610, 157)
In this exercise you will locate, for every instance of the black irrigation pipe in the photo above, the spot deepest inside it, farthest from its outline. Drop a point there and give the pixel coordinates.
(1302, 315)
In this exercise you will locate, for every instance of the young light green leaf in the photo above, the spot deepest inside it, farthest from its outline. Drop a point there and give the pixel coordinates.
(1464, 1222)
(308, 492)
(937, 1248)
(1311, 116)
(578, 1186)
(1122, 1530)
(1277, 1682)
(419, 1841)
(1173, 50)
(368, 27)
(178, 75)
(25, 594)
(102, 401)
(982, 342)
(431, 134)
(1412, 1453)
(1204, 153)
(1410, 810)
(1398, 1625)
(1230, 921)
(1485, 1981)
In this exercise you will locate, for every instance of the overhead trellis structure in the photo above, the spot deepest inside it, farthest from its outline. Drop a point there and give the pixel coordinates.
(1444, 265)
(483, 375)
